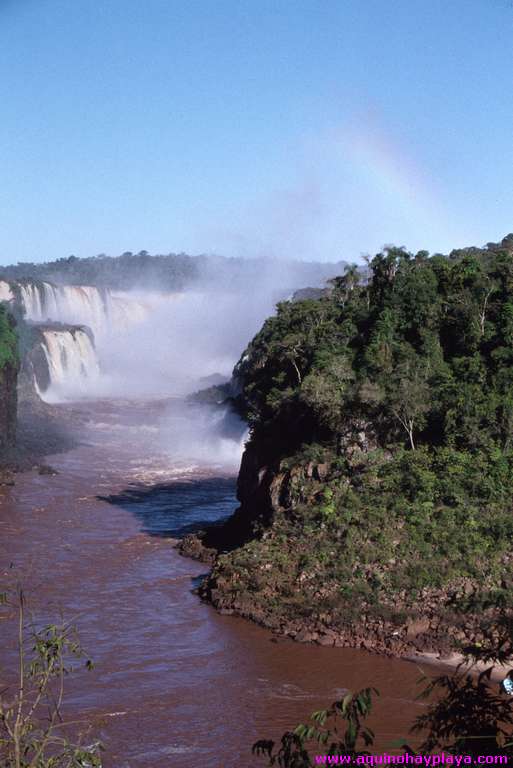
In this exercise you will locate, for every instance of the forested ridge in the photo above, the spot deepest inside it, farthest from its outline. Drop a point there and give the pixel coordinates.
(125, 271)
(376, 484)
(168, 272)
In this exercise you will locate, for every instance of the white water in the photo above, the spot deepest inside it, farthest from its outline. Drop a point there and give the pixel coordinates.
(72, 358)
(72, 364)
(113, 317)
(152, 343)
(5, 291)
(101, 310)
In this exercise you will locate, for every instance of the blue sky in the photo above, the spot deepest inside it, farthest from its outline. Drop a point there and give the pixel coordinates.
(317, 129)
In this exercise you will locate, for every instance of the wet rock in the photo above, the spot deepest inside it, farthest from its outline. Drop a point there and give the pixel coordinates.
(192, 546)
(45, 469)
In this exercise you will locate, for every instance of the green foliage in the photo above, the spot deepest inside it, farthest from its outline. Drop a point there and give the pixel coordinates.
(8, 340)
(168, 272)
(423, 347)
(405, 380)
(33, 733)
(468, 716)
(351, 710)
(465, 715)
(465, 712)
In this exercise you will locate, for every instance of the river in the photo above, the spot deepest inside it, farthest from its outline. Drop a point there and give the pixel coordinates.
(174, 682)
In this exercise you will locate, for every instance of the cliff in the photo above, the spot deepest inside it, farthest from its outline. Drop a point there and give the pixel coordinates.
(9, 365)
(375, 502)
(29, 427)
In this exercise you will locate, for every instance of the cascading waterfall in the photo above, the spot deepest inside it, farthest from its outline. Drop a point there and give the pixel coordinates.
(44, 302)
(108, 314)
(100, 309)
(73, 365)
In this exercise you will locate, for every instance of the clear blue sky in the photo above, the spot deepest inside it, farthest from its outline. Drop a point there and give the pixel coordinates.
(316, 128)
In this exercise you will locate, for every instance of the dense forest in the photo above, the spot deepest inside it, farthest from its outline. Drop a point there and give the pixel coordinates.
(376, 485)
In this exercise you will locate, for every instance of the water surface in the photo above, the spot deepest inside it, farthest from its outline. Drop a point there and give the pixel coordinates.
(174, 683)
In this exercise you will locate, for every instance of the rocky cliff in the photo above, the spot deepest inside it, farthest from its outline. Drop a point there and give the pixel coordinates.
(9, 365)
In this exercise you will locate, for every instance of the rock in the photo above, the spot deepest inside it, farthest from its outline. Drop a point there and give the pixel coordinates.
(45, 469)
(326, 640)
(192, 546)
(6, 476)
(321, 472)
(417, 627)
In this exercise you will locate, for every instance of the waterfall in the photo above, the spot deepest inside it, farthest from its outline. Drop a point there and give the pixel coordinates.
(5, 291)
(110, 315)
(73, 365)
(44, 302)
(100, 309)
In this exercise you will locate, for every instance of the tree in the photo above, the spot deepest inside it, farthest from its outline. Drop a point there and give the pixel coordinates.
(324, 390)
(409, 396)
(467, 713)
(409, 404)
(343, 286)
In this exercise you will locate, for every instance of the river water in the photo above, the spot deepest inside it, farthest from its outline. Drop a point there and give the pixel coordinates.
(174, 682)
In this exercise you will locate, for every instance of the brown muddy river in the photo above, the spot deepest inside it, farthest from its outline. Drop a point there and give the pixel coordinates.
(174, 683)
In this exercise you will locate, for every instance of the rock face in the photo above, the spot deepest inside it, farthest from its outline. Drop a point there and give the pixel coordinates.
(8, 384)
(8, 407)
(258, 491)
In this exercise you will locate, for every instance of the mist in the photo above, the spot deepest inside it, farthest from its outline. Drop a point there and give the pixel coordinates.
(147, 330)
(151, 343)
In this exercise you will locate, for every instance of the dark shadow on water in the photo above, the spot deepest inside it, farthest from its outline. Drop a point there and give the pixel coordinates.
(175, 509)
(197, 581)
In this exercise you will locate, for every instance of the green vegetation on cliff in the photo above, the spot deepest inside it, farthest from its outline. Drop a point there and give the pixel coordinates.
(377, 479)
(8, 341)
(8, 379)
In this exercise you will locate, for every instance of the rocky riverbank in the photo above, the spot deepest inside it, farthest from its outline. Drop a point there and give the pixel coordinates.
(41, 429)
(262, 571)
(431, 629)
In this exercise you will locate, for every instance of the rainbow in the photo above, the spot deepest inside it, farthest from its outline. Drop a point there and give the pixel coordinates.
(396, 184)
